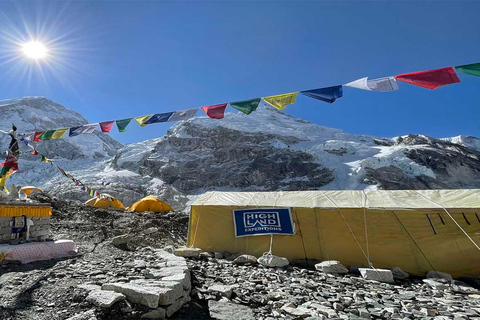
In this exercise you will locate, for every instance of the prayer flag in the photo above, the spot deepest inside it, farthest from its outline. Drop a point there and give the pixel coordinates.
(91, 192)
(472, 69)
(85, 129)
(122, 124)
(142, 120)
(430, 79)
(59, 133)
(106, 126)
(37, 136)
(215, 112)
(328, 94)
(159, 117)
(380, 85)
(45, 159)
(246, 106)
(282, 100)
(47, 135)
(35, 152)
(183, 114)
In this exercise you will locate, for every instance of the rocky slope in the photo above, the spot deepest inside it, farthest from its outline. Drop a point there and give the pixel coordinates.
(268, 150)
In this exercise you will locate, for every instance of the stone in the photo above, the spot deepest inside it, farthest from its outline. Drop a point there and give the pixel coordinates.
(269, 260)
(432, 274)
(177, 305)
(399, 274)
(435, 284)
(228, 311)
(462, 287)
(381, 275)
(150, 230)
(174, 289)
(158, 313)
(245, 258)
(89, 287)
(298, 312)
(223, 290)
(148, 296)
(187, 252)
(183, 278)
(331, 266)
(87, 315)
(104, 299)
(121, 240)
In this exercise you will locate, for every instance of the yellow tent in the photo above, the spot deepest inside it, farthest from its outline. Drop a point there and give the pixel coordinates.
(415, 230)
(105, 202)
(29, 189)
(150, 203)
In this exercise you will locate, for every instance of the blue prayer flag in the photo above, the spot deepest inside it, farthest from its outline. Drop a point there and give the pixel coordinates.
(159, 117)
(329, 94)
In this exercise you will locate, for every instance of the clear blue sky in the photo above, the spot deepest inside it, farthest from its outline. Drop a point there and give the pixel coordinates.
(113, 59)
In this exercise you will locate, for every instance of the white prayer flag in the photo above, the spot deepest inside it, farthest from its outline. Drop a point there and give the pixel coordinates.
(183, 114)
(380, 85)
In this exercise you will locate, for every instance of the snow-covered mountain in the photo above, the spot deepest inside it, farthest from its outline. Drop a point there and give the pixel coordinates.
(267, 150)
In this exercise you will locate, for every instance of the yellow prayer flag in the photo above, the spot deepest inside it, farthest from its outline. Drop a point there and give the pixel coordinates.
(281, 100)
(141, 120)
(58, 134)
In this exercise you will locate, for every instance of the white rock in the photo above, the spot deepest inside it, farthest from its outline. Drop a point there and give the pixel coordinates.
(119, 240)
(137, 293)
(382, 275)
(89, 287)
(399, 274)
(273, 261)
(297, 312)
(183, 278)
(228, 311)
(187, 252)
(223, 290)
(104, 299)
(175, 289)
(245, 258)
(87, 315)
(158, 313)
(432, 274)
(150, 230)
(331, 266)
(177, 305)
(435, 284)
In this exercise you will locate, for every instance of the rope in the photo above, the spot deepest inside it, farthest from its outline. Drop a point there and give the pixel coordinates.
(366, 231)
(348, 225)
(448, 213)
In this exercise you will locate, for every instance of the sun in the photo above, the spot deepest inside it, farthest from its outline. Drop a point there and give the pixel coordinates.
(34, 50)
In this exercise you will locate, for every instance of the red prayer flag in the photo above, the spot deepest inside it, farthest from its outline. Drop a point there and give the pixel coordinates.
(430, 79)
(38, 136)
(215, 112)
(106, 126)
(35, 152)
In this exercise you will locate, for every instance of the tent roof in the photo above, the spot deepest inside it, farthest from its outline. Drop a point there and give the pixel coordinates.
(380, 199)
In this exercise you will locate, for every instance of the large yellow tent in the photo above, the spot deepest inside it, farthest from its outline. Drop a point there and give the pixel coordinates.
(29, 189)
(410, 229)
(150, 203)
(105, 202)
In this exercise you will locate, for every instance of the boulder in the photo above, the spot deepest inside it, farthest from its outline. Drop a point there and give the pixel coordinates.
(432, 274)
(245, 258)
(381, 275)
(103, 298)
(149, 296)
(223, 290)
(399, 274)
(187, 252)
(331, 266)
(269, 260)
(221, 310)
(120, 240)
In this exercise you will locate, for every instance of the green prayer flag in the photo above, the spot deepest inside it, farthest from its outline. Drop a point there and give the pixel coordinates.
(246, 106)
(122, 124)
(47, 135)
(473, 69)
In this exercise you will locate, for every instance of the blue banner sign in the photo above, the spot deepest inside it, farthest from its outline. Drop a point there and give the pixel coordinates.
(249, 222)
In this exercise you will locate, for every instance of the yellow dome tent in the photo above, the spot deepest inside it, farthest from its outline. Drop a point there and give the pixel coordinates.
(105, 202)
(150, 203)
(29, 189)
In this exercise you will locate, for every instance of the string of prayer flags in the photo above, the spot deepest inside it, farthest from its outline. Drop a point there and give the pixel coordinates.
(159, 117)
(142, 119)
(386, 84)
(85, 129)
(59, 133)
(246, 106)
(10, 165)
(328, 94)
(430, 79)
(280, 101)
(47, 135)
(216, 111)
(471, 69)
(122, 124)
(183, 114)
(37, 136)
(106, 126)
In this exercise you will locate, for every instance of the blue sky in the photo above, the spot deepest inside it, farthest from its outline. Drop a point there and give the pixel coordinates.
(112, 60)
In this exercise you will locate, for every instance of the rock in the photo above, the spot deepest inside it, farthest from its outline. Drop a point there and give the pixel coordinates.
(104, 299)
(331, 266)
(223, 290)
(245, 258)
(462, 287)
(432, 274)
(89, 287)
(381, 275)
(87, 315)
(298, 312)
(435, 284)
(399, 274)
(177, 305)
(228, 311)
(183, 278)
(158, 313)
(187, 252)
(120, 240)
(150, 230)
(269, 260)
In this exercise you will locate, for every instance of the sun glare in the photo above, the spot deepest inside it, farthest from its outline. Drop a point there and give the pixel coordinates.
(34, 50)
